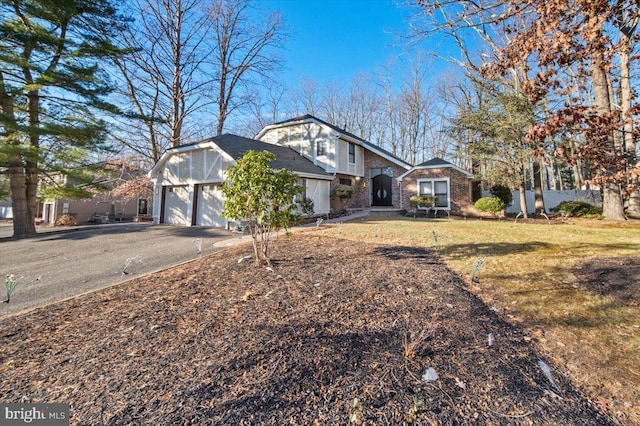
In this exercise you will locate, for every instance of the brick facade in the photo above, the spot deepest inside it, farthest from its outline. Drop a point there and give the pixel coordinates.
(362, 197)
(459, 183)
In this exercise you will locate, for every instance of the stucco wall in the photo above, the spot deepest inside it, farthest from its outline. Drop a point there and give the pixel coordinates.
(460, 187)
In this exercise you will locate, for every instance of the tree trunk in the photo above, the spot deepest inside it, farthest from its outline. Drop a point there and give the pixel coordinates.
(21, 189)
(523, 200)
(176, 90)
(633, 206)
(32, 170)
(612, 206)
(23, 223)
(537, 187)
(476, 184)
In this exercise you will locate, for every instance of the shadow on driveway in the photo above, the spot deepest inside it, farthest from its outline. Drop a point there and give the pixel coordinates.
(51, 267)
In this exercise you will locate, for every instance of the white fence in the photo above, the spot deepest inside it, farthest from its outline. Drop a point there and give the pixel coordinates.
(551, 199)
(6, 212)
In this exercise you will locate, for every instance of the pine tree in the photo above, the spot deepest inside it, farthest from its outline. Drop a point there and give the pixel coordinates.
(51, 84)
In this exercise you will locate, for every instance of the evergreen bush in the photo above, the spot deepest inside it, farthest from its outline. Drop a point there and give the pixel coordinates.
(489, 204)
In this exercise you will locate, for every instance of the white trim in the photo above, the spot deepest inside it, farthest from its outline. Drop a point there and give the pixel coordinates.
(347, 138)
(433, 180)
(313, 176)
(208, 144)
(438, 166)
(371, 148)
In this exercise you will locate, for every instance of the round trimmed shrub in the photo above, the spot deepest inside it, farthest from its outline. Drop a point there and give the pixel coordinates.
(422, 201)
(579, 209)
(343, 191)
(489, 204)
(503, 192)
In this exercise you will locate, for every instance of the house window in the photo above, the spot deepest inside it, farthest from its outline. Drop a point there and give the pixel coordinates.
(321, 149)
(352, 153)
(377, 171)
(438, 188)
(344, 181)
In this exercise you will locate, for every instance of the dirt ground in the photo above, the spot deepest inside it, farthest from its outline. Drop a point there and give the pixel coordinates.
(618, 277)
(336, 332)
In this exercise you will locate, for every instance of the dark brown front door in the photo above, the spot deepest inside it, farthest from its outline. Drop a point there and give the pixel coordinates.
(381, 186)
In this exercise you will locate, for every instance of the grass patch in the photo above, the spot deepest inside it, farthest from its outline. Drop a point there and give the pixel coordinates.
(528, 275)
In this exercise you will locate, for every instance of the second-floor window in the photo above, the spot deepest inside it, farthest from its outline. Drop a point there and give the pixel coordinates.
(352, 153)
(320, 149)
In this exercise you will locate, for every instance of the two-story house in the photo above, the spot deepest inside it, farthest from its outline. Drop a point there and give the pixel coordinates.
(330, 162)
(353, 161)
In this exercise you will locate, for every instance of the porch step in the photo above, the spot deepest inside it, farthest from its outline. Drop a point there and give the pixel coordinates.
(386, 211)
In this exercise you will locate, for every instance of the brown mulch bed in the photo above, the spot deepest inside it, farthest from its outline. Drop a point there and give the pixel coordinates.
(617, 277)
(336, 332)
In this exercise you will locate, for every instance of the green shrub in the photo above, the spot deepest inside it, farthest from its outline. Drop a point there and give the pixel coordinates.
(502, 192)
(422, 201)
(578, 209)
(306, 206)
(489, 204)
(343, 191)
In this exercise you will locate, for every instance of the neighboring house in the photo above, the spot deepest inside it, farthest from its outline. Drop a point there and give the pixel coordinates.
(100, 208)
(187, 179)
(353, 161)
(448, 182)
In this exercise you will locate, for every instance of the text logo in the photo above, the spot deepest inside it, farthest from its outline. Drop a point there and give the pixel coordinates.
(34, 414)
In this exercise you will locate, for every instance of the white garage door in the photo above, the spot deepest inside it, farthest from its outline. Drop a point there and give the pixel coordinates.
(210, 203)
(176, 205)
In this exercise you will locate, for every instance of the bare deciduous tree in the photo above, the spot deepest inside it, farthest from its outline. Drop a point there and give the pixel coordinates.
(164, 77)
(245, 51)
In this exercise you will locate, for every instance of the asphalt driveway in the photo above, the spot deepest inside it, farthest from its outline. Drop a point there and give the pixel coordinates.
(56, 266)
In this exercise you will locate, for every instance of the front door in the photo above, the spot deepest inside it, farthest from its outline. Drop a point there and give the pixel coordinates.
(382, 185)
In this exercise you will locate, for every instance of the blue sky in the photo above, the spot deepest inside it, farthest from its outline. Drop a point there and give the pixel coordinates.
(337, 39)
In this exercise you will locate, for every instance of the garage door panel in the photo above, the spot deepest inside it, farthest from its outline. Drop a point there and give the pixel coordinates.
(210, 204)
(176, 205)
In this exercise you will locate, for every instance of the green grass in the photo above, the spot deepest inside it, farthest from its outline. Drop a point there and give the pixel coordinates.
(528, 277)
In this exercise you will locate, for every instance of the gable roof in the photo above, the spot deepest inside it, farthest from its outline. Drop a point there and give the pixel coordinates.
(436, 163)
(341, 133)
(286, 158)
(233, 147)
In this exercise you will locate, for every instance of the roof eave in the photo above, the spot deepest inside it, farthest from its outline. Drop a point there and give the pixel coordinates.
(313, 176)
(334, 132)
(208, 143)
(269, 127)
(442, 166)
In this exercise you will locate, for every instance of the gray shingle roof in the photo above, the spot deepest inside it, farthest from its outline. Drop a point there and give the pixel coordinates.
(435, 162)
(286, 158)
